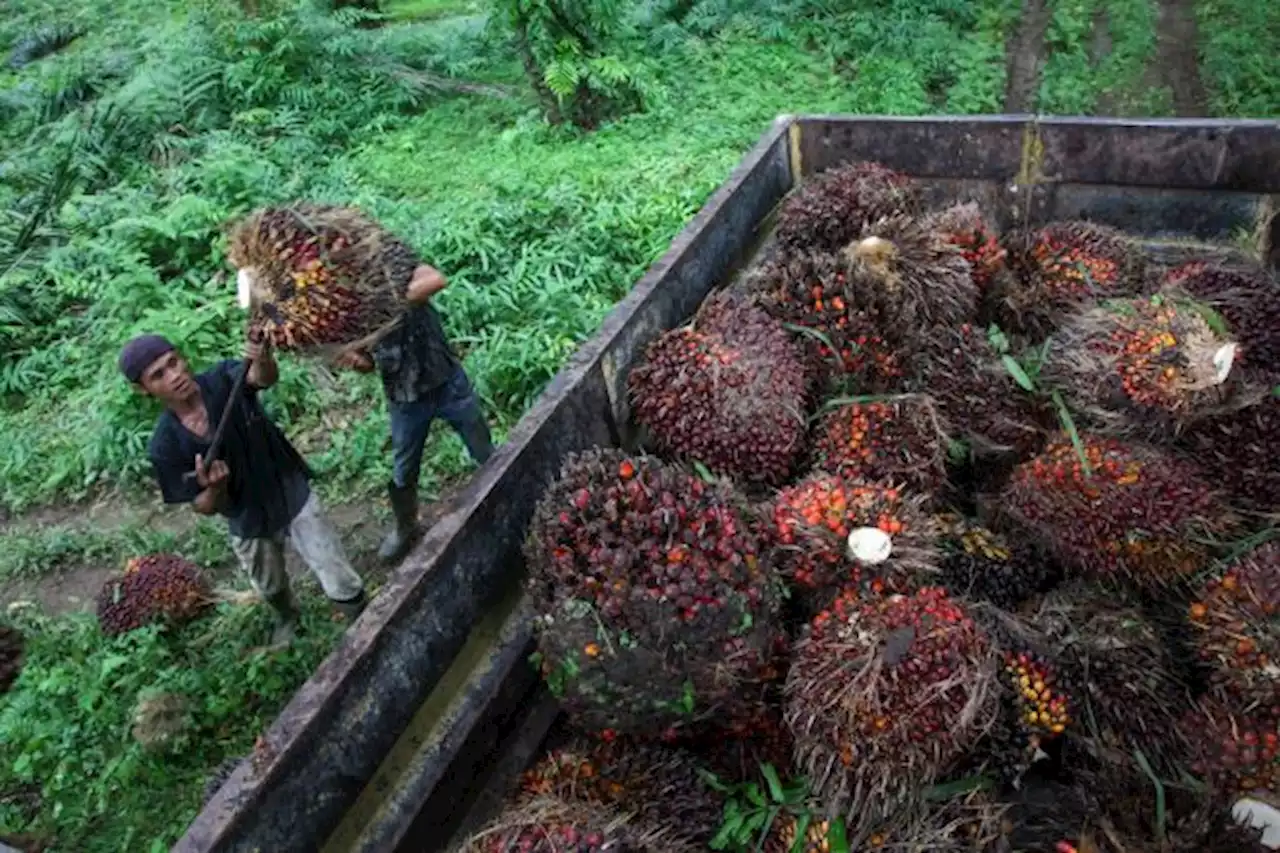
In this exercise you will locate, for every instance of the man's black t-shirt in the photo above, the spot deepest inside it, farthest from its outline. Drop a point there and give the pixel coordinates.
(415, 358)
(268, 483)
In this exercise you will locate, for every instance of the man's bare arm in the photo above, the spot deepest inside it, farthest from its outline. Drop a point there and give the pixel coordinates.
(427, 282)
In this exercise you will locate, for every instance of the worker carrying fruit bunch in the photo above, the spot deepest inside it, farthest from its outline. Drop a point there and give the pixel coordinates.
(422, 379)
(254, 477)
(332, 282)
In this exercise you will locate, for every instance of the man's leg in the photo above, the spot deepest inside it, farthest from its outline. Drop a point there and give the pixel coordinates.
(263, 561)
(320, 546)
(410, 423)
(460, 406)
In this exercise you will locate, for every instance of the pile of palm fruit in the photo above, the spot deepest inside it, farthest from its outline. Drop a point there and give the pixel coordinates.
(953, 534)
(152, 589)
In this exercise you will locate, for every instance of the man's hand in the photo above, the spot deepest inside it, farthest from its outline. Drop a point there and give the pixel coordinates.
(257, 349)
(213, 476)
(263, 370)
(354, 359)
(427, 281)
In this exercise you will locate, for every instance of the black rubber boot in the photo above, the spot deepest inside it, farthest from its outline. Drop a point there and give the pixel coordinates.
(287, 615)
(353, 608)
(404, 504)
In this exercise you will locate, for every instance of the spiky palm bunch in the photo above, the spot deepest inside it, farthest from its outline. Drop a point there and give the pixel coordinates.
(731, 391)
(1237, 450)
(161, 721)
(830, 208)
(1116, 510)
(964, 226)
(158, 587)
(552, 825)
(981, 564)
(320, 276)
(655, 606)
(1150, 365)
(1249, 302)
(1064, 266)
(1234, 746)
(1237, 617)
(884, 694)
(898, 439)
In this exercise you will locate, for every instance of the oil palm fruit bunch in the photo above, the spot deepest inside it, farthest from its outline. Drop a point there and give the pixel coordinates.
(898, 439)
(831, 531)
(981, 564)
(319, 276)
(1248, 300)
(792, 834)
(1052, 817)
(161, 721)
(154, 588)
(1035, 710)
(655, 606)
(1064, 266)
(1237, 449)
(1113, 662)
(830, 208)
(1150, 364)
(1115, 510)
(884, 694)
(661, 786)
(964, 226)
(730, 391)
(1237, 622)
(553, 825)
(1234, 747)
(12, 644)
(219, 776)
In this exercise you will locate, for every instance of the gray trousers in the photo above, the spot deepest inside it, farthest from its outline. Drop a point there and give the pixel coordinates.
(316, 541)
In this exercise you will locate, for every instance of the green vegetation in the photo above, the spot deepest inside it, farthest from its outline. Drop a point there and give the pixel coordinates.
(1098, 57)
(542, 164)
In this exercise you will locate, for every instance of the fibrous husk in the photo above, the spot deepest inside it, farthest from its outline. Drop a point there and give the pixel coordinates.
(1064, 266)
(662, 786)
(161, 721)
(884, 694)
(831, 208)
(1146, 366)
(1116, 666)
(154, 588)
(1237, 617)
(730, 391)
(964, 226)
(892, 544)
(12, 644)
(553, 825)
(1238, 450)
(1233, 746)
(320, 276)
(897, 439)
(981, 564)
(1135, 513)
(656, 609)
(1249, 302)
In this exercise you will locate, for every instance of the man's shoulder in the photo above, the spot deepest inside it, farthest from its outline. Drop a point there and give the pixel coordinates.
(164, 436)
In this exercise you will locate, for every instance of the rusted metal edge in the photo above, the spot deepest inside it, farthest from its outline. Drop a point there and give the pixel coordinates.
(319, 702)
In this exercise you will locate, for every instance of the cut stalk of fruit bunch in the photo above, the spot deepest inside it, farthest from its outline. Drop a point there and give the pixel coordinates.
(731, 392)
(1062, 267)
(157, 587)
(1142, 367)
(319, 277)
(1248, 301)
(831, 531)
(1237, 620)
(897, 439)
(1116, 511)
(655, 606)
(831, 208)
(884, 694)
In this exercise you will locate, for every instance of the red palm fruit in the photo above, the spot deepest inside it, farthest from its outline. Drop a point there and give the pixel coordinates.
(1237, 617)
(1247, 299)
(893, 542)
(1116, 511)
(964, 226)
(1150, 365)
(885, 693)
(897, 439)
(12, 644)
(158, 587)
(731, 392)
(830, 208)
(1064, 266)
(1233, 746)
(655, 607)
(1237, 450)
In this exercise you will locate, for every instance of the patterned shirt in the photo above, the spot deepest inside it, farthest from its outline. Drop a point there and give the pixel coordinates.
(415, 358)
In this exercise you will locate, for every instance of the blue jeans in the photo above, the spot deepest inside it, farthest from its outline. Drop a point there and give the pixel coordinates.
(455, 401)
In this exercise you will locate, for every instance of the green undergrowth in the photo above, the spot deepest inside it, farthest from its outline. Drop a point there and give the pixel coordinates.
(50, 549)
(1240, 56)
(72, 771)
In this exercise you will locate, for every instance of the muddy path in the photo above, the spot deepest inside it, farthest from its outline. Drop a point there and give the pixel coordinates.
(1177, 60)
(1024, 57)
